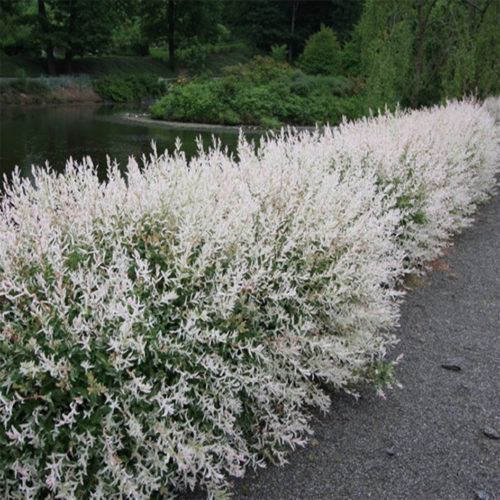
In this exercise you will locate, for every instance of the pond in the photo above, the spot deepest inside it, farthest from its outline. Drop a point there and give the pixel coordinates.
(32, 135)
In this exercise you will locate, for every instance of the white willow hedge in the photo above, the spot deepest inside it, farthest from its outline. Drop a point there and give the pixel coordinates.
(175, 325)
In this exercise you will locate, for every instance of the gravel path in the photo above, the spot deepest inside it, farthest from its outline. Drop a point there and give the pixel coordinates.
(428, 440)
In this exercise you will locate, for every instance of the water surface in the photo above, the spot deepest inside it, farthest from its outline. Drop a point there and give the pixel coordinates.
(34, 135)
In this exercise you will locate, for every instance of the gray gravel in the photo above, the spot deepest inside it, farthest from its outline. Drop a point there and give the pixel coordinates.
(432, 438)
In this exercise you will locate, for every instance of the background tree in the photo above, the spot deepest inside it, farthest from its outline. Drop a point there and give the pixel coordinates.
(16, 26)
(273, 22)
(263, 23)
(472, 63)
(418, 51)
(177, 21)
(321, 54)
(127, 35)
(381, 51)
(76, 26)
(415, 52)
(46, 36)
(343, 17)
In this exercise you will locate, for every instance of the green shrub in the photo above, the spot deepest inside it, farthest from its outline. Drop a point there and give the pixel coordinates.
(253, 103)
(339, 86)
(322, 54)
(193, 55)
(223, 33)
(270, 123)
(128, 38)
(279, 52)
(26, 85)
(196, 102)
(129, 88)
(302, 85)
(29, 86)
(54, 83)
(261, 69)
(262, 92)
(271, 102)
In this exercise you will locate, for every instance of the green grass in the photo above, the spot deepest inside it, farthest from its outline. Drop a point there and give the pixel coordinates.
(218, 56)
(16, 66)
(159, 53)
(122, 65)
(216, 62)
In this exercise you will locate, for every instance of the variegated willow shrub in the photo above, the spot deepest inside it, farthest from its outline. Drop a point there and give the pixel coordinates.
(176, 323)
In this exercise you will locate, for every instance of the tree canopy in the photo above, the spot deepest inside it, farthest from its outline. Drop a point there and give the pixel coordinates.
(410, 51)
(417, 51)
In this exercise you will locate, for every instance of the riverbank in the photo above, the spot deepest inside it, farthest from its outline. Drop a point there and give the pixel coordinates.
(140, 88)
(45, 90)
(145, 119)
(66, 96)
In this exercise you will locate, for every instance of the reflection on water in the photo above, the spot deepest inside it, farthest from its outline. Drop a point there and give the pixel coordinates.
(32, 135)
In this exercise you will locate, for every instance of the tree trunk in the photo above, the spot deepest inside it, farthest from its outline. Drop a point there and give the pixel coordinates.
(68, 60)
(171, 33)
(419, 56)
(422, 23)
(51, 60)
(49, 49)
(295, 6)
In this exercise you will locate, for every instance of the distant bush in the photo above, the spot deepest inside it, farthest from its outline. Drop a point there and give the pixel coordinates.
(29, 86)
(223, 33)
(193, 55)
(202, 101)
(46, 84)
(209, 102)
(53, 89)
(262, 70)
(279, 52)
(322, 54)
(57, 82)
(128, 38)
(128, 88)
(339, 86)
(179, 323)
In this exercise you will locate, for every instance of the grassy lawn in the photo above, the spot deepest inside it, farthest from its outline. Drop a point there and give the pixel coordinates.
(216, 57)
(14, 66)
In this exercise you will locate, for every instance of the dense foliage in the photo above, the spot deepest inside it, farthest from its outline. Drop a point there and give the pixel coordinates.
(420, 51)
(262, 92)
(321, 54)
(268, 22)
(128, 88)
(176, 324)
(412, 52)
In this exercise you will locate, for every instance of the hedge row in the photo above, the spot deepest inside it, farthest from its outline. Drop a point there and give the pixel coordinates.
(176, 324)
